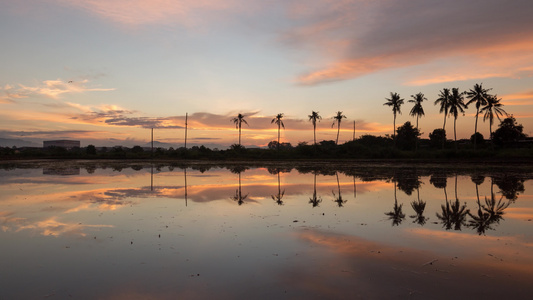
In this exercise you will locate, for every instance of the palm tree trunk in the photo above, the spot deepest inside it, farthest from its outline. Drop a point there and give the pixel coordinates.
(279, 128)
(394, 129)
(416, 143)
(239, 133)
(455, 133)
(338, 130)
(314, 134)
(475, 129)
(444, 130)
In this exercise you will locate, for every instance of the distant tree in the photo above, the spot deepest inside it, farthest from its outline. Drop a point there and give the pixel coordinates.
(395, 101)
(491, 109)
(436, 137)
(238, 120)
(456, 106)
(313, 117)
(137, 149)
(407, 136)
(90, 150)
(280, 124)
(508, 131)
(479, 96)
(477, 138)
(444, 102)
(338, 118)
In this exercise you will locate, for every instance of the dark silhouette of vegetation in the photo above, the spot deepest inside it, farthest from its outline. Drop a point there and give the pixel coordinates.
(314, 117)
(315, 200)
(238, 120)
(277, 120)
(407, 136)
(444, 100)
(239, 198)
(453, 214)
(437, 138)
(456, 106)
(491, 109)
(419, 206)
(395, 101)
(417, 110)
(278, 198)
(396, 215)
(509, 132)
(338, 118)
(479, 96)
(338, 198)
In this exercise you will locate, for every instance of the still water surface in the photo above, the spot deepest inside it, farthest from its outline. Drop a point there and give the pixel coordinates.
(89, 231)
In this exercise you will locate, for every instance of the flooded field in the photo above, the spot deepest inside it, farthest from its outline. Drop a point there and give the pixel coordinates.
(157, 231)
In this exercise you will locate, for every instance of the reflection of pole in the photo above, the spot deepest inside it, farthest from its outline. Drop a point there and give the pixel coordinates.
(152, 178)
(354, 188)
(185, 173)
(186, 116)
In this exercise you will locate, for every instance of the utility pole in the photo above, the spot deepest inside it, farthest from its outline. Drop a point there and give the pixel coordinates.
(152, 141)
(354, 130)
(186, 116)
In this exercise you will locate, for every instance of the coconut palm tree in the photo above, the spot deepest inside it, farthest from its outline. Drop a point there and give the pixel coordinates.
(238, 120)
(338, 118)
(395, 102)
(491, 109)
(417, 109)
(313, 117)
(444, 102)
(479, 96)
(280, 124)
(456, 106)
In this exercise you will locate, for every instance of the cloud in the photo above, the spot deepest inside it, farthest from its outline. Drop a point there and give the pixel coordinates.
(188, 13)
(362, 37)
(49, 89)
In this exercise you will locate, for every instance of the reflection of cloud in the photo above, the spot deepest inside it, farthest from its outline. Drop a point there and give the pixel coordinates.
(55, 228)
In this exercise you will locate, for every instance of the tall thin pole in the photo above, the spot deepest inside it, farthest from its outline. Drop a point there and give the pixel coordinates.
(354, 130)
(152, 141)
(186, 116)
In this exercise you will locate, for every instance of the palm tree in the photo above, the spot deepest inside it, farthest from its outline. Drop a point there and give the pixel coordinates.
(444, 101)
(417, 109)
(313, 117)
(238, 120)
(493, 107)
(395, 102)
(456, 106)
(280, 124)
(479, 96)
(338, 119)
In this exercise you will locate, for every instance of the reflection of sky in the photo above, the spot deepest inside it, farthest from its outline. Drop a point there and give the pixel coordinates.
(118, 225)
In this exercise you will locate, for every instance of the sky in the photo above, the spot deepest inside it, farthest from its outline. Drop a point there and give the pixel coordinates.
(107, 71)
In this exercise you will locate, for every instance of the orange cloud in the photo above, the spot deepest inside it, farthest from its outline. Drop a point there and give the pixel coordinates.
(50, 89)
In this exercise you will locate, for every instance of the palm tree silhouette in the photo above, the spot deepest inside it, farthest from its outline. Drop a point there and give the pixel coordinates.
(338, 118)
(238, 192)
(280, 194)
(396, 215)
(444, 101)
(487, 214)
(417, 110)
(479, 96)
(313, 117)
(453, 213)
(280, 124)
(395, 102)
(238, 120)
(314, 200)
(419, 206)
(338, 198)
(491, 109)
(456, 106)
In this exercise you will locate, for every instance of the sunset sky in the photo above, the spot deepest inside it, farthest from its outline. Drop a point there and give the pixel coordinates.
(106, 71)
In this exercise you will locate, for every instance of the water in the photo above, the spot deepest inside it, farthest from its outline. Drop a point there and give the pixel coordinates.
(85, 230)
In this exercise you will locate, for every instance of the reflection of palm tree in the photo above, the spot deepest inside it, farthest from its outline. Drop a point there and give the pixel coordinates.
(280, 194)
(453, 213)
(419, 206)
(238, 193)
(338, 198)
(185, 176)
(313, 117)
(396, 215)
(493, 107)
(487, 214)
(417, 110)
(510, 186)
(479, 96)
(315, 201)
(395, 102)
(444, 101)
(280, 124)
(338, 118)
(456, 106)
(238, 120)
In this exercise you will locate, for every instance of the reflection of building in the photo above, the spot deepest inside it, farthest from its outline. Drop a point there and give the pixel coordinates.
(62, 171)
(67, 144)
